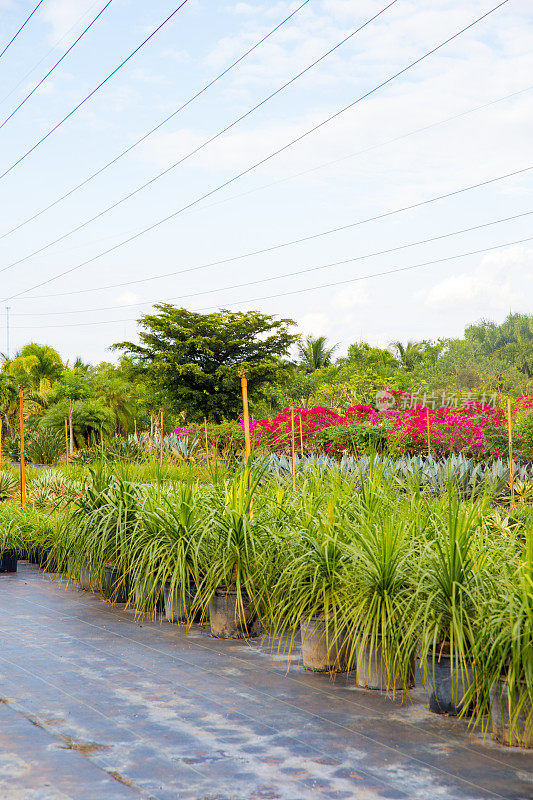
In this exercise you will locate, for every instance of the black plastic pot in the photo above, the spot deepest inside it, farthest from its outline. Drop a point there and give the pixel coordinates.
(8, 561)
(373, 671)
(514, 729)
(228, 620)
(114, 585)
(35, 554)
(49, 562)
(320, 653)
(447, 684)
(148, 594)
(178, 604)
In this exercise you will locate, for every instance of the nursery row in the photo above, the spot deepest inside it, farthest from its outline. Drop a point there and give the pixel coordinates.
(390, 584)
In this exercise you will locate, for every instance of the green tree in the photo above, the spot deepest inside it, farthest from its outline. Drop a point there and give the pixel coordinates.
(37, 365)
(408, 355)
(195, 359)
(315, 354)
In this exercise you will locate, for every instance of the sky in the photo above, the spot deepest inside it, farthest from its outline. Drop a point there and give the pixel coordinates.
(462, 116)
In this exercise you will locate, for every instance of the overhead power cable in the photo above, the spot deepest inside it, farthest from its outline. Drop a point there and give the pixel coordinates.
(54, 47)
(93, 92)
(58, 62)
(383, 273)
(264, 160)
(293, 274)
(196, 150)
(158, 126)
(8, 45)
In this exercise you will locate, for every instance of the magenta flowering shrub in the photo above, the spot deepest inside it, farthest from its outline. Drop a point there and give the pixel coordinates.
(474, 429)
(459, 430)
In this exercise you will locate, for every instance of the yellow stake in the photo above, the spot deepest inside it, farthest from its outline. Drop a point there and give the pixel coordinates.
(511, 461)
(292, 448)
(206, 447)
(22, 456)
(245, 414)
(66, 438)
(161, 451)
(135, 424)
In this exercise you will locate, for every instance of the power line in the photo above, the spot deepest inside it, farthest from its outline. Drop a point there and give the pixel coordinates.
(383, 273)
(93, 92)
(158, 126)
(196, 150)
(51, 50)
(287, 274)
(58, 62)
(288, 243)
(262, 161)
(8, 45)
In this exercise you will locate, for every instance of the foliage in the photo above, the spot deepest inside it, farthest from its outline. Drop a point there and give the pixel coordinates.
(44, 446)
(195, 359)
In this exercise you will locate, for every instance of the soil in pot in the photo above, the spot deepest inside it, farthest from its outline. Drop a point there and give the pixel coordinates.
(320, 653)
(373, 671)
(516, 728)
(114, 585)
(8, 561)
(448, 684)
(228, 620)
(178, 604)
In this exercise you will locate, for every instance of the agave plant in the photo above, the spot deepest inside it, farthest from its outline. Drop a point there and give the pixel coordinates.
(8, 485)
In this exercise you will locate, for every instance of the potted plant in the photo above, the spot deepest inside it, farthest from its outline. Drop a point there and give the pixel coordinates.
(309, 593)
(166, 552)
(9, 544)
(379, 592)
(452, 576)
(504, 648)
(231, 544)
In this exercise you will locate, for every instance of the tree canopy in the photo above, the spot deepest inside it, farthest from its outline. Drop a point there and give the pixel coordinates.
(195, 359)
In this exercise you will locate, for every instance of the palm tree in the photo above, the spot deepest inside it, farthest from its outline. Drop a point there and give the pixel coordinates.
(314, 354)
(409, 355)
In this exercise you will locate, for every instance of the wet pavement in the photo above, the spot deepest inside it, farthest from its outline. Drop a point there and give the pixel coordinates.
(96, 704)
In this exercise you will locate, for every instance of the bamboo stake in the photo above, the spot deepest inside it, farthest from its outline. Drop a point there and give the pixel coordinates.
(135, 427)
(22, 456)
(429, 439)
(292, 448)
(301, 436)
(66, 439)
(206, 447)
(161, 446)
(245, 414)
(511, 460)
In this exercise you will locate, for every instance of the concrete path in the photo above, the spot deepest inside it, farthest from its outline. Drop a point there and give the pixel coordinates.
(96, 705)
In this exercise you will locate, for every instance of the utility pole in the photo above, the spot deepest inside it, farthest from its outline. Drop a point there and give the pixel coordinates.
(7, 332)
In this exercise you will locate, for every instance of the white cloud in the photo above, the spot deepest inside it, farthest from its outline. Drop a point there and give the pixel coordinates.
(126, 299)
(352, 297)
(496, 284)
(63, 15)
(313, 324)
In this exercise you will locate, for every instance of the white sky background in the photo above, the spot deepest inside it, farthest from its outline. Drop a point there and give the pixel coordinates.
(277, 202)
